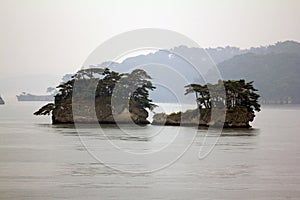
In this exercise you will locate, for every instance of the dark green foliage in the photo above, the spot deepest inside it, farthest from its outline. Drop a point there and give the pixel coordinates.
(45, 110)
(237, 94)
(95, 83)
(134, 87)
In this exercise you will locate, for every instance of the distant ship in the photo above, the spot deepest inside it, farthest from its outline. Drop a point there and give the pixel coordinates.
(31, 97)
(1, 101)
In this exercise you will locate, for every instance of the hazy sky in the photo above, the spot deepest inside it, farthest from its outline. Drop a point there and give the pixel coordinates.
(56, 36)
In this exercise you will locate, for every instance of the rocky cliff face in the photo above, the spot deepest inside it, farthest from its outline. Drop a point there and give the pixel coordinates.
(85, 113)
(237, 118)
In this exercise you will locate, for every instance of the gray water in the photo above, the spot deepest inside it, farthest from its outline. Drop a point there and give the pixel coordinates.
(43, 161)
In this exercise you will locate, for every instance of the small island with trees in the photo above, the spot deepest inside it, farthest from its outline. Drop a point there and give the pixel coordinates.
(235, 107)
(133, 88)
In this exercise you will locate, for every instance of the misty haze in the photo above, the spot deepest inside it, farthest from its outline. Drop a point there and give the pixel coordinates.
(149, 99)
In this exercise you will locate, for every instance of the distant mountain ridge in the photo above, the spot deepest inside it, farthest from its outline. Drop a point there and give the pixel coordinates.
(218, 54)
(276, 75)
(275, 69)
(221, 54)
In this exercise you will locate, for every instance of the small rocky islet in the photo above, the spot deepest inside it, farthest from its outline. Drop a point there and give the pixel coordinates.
(226, 103)
(234, 108)
(1, 101)
(93, 96)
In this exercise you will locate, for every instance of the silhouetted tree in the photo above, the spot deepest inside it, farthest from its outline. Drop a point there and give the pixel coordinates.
(238, 94)
(134, 87)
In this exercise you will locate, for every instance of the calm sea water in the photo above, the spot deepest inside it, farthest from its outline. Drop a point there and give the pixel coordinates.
(43, 161)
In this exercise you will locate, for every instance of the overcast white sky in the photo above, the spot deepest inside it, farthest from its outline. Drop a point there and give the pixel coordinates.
(55, 36)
